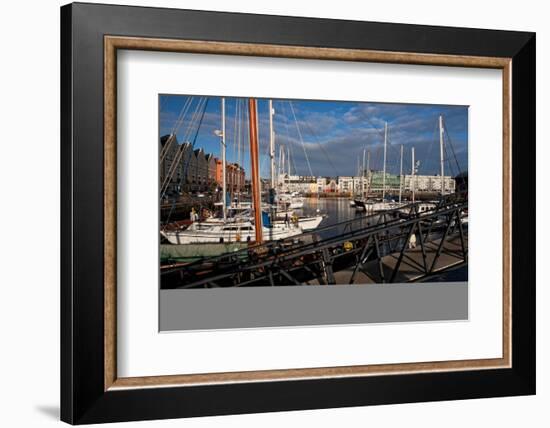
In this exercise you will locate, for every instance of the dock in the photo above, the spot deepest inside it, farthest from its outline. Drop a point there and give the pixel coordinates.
(403, 244)
(412, 267)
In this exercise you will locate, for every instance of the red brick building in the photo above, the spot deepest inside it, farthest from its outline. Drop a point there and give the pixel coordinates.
(234, 174)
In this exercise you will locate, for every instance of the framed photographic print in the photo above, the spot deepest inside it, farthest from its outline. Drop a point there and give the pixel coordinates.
(265, 213)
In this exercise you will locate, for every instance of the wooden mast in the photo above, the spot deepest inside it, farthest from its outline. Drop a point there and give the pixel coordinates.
(255, 165)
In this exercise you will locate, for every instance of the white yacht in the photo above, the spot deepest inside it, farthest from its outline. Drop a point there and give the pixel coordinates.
(373, 206)
(240, 216)
(204, 232)
(305, 223)
(422, 207)
(292, 200)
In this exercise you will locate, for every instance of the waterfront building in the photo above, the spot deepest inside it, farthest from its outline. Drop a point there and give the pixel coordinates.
(189, 165)
(321, 184)
(428, 183)
(377, 181)
(196, 170)
(372, 182)
(200, 173)
(169, 147)
(361, 184)
(234, 176)
(219, 169)
(299, 183)
(332, 186)
(302, 184)
(182, 154)
(345, 184)
(211, 164)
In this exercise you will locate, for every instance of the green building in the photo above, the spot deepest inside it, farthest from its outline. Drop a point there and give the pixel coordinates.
(377, 179)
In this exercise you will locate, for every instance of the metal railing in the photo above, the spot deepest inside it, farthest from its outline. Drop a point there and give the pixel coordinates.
(357, 241)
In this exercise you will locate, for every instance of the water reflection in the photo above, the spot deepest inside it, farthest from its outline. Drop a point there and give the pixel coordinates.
(338, 210)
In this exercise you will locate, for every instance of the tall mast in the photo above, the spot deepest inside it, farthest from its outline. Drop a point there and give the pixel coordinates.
(384, 172)
(401, 174)
(279, 166)
(368, 173)
(255, 170)
(288, 162)
(224, 184)
(358, 175)
(412, 174)
(283, 160)
(363, 176)
(272, 144)
(441, 149)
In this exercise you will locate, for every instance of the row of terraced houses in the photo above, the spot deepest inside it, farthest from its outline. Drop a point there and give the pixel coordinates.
(186, 169)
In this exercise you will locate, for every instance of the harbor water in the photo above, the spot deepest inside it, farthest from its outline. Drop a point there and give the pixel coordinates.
(337, 210)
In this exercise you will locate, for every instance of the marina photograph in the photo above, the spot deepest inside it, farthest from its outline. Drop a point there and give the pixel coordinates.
(258, 192)
(266, 212)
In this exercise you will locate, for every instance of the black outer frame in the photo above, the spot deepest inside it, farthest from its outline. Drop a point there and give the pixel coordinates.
(83, 399)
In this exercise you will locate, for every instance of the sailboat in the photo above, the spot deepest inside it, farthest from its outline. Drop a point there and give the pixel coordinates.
(205, 232)
(238, 222)
(372, 205)
(430, 205)
(282, 210)
(291, 200)
(359, 202)
(243, 214)
(354, 191)
(286, 198)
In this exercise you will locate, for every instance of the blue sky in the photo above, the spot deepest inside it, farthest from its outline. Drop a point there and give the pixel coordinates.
(325, 138)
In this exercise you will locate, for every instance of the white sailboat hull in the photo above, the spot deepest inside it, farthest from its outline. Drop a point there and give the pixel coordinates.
(371, 206)
(296, 204)
(306, 223)
(422, 207)
(212, 233)
(291, 201)
(310, 223)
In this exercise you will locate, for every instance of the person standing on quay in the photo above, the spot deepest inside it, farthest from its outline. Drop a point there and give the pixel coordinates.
(412, 241)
